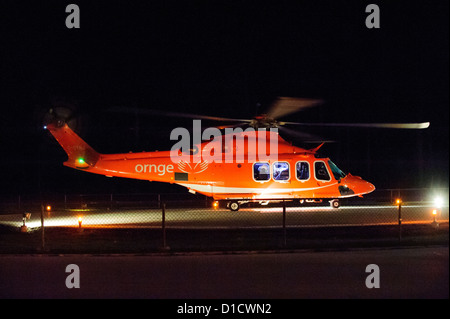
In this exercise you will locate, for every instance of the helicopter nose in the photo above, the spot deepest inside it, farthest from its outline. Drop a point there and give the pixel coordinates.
(369, 187)
(362, 187)
(358, 185)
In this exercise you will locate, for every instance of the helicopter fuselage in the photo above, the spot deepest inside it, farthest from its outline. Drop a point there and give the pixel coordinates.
(290, 172)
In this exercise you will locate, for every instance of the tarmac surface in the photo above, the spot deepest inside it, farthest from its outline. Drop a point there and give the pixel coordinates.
(415, 272)
(217, 254)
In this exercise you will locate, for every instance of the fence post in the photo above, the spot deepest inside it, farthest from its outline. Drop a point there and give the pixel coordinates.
(42, 228)
(284, 223)
(163, 222)
(399, 220)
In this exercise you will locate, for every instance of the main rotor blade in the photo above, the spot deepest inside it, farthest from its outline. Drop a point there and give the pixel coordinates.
(417, 126)
(304, 137)
(286, 105)
(140, 111)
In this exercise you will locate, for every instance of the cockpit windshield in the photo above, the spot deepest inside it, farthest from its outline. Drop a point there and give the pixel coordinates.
(338, 174)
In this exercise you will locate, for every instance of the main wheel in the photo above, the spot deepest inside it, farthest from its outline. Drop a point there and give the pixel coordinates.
(234, 206)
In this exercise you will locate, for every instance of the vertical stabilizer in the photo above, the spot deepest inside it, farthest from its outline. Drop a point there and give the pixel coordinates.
(80, 154)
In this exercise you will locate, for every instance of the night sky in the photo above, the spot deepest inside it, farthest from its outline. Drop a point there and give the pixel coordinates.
(222, 58)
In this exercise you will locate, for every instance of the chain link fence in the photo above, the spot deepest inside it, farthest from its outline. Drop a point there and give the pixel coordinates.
(196, 211)
(202, 221)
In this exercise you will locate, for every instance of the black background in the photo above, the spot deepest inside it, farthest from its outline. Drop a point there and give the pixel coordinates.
(222, 58)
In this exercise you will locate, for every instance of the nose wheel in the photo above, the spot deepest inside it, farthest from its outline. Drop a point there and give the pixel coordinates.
(335, 203)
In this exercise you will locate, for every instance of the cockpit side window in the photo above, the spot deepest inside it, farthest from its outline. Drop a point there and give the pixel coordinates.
(337, 173)
(321, 171)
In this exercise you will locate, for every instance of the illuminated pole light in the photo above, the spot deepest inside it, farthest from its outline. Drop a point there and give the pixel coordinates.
(80, 220)
(438, 202)
(48, 208)
(215, 204)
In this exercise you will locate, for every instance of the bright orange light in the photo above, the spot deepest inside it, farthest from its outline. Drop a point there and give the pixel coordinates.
(216, 204)
(434, 211)
(48, 208)
(398, 201)
(80, 219)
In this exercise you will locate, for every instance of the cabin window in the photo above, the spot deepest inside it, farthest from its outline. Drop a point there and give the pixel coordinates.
(302, 171)
(261, 172)
(281, 171)
(321, 171)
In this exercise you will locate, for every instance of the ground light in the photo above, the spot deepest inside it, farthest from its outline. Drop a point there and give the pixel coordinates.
(434, 223)
(438, 203)
(80, 220)
(24, 227)
(399, 204)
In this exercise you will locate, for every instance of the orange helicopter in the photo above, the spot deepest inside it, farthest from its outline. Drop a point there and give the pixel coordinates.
(232, 168)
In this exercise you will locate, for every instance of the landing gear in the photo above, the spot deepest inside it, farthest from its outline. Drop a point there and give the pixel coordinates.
(335, 203)
(233, 206)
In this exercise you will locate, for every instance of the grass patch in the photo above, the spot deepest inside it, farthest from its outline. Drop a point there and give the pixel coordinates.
(69, 240)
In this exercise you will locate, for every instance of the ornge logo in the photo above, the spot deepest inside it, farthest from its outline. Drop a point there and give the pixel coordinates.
(195, 168)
